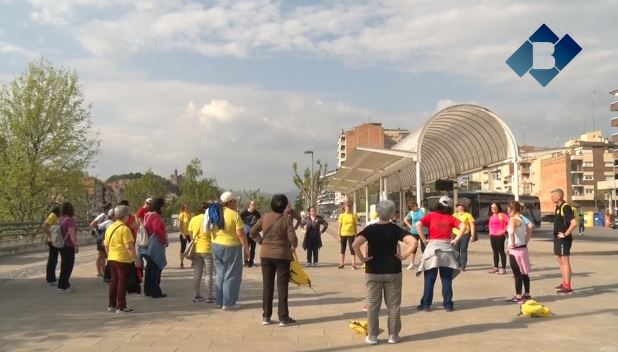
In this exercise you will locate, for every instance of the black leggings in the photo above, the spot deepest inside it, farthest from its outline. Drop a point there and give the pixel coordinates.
(183, 243)
(348, 240)
(497, 246)
(520, 279)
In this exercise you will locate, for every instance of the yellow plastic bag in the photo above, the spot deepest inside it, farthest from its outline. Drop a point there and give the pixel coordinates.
(534, 309)
(298, 274)
(360, 326)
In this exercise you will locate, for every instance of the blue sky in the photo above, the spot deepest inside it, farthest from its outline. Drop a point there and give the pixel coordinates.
(247, 86)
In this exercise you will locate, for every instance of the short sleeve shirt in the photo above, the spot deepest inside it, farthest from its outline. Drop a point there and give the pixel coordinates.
(65, 224)
(414, 217)
(440, 225)
(347, 222)
(382, 242)
(202, 240)
(183, 219)
(52, 219)
(563, 218)
(231, 222)
(117, 237)
(467, 219)
(250, 217)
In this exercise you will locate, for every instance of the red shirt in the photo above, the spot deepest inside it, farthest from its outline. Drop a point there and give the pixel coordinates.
(140, 213)
(440, 225)
(130, 223)
(155, 226)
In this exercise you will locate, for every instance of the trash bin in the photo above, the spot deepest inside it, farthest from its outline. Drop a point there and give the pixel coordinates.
(589, 219)
(599, 219)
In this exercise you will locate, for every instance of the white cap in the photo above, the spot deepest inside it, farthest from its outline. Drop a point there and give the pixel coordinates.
(446, 201)
(228, 197)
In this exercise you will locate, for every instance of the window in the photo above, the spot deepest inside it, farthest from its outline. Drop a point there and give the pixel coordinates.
(588, 164)
(589, 191)
(588, 178)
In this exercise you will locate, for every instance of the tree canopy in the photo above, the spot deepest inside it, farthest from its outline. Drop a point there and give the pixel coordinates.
(46, 141)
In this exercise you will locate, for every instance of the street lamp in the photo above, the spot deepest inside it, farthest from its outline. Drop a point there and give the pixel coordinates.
(311, 179)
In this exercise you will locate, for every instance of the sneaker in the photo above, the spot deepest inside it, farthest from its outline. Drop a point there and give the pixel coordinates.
(354, 267)
(493, 271)
(521, 300)
(307, 264)
(287, 322)
(365, 307)
(394, 339)
(126, 310)
(232, 307)
(218, 306)
(449, 309)
(559, 287)
(372, 340)
(410, 267)
(198, 298)
(421, 307)
(66, 290)
(266, 321)
(515, 299)
(111, 309)
(565, 291)
(315, 264)
(210, 300)
(526, 296)
(501, 272)
(53, 283)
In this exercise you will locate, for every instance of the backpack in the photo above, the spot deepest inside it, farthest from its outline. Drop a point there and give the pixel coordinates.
(57, 237)
(575, 212)
(534, 309)
(142, 239)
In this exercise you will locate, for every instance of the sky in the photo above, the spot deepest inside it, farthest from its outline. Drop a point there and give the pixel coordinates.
(248, 86)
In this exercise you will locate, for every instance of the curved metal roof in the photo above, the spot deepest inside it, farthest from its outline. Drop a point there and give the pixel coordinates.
(457, 140)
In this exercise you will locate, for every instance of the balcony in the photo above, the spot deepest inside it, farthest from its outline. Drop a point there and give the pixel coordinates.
(582, 197)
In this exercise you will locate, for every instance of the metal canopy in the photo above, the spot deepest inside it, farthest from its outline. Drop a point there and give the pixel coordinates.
(457, 140)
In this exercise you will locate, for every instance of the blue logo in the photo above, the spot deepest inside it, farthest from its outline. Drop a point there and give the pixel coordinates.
(565, 50)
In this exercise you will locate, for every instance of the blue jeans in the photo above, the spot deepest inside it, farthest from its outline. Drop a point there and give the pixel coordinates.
(228, 266)
(446, 276)
(462, 248)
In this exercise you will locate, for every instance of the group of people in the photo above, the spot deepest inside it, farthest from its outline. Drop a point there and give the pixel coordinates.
(443, 235)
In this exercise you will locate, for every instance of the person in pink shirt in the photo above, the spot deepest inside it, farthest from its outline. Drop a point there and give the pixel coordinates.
(498, 222)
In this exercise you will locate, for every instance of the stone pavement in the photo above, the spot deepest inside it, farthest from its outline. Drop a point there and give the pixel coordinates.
(33, 317)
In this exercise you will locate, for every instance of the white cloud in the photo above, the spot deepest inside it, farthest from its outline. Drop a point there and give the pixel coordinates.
(12, 49)
(217, 109)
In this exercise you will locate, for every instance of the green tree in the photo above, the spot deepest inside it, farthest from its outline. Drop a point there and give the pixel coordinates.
(149, 185)
(310, 186)
(195, 188)
(46, 141)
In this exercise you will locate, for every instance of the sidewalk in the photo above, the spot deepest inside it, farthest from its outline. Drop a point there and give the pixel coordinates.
(36, 318)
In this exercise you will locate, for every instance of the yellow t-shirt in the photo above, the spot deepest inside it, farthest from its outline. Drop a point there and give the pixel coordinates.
(52, 219)
(120, 240)
(347, 223)
(183, 220)
(202, 240)
(231, 223)
(467, 219)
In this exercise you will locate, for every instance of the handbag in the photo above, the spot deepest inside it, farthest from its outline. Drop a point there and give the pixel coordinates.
(189, 252)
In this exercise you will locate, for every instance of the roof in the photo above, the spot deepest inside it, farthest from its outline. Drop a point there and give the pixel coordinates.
(457, 140)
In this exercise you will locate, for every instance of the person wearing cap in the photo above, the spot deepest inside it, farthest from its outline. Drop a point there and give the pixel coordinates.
(228, 244)
(439, 255)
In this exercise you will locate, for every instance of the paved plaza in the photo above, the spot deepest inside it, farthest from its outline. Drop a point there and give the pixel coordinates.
(33, 317)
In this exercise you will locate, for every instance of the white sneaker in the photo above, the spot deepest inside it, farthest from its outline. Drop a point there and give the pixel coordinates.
(411, 266)
(372, 340)
(394, 339)
(232, 307)
(66, 290)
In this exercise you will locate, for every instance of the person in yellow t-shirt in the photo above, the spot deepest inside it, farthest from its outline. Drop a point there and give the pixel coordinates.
(52, 257)
(202, 261)
(183, 226)
(120, 249)
(462, 214)
(228, 244)
(347, 230)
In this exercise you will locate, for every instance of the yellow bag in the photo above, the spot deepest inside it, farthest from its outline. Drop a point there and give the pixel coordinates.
(360, 326)
(298, 274)
(534, 309)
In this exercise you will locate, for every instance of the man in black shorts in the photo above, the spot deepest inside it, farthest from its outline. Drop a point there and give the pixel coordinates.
(564, 225)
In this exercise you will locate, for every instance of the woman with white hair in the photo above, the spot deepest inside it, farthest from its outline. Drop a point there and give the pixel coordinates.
(439, 255)
(383, 269)
(228, 243)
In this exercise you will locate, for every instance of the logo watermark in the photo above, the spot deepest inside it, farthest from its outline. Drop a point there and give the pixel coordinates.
(528, 58)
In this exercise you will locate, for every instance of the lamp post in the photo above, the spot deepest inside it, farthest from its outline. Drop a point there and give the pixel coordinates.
(311, 195)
